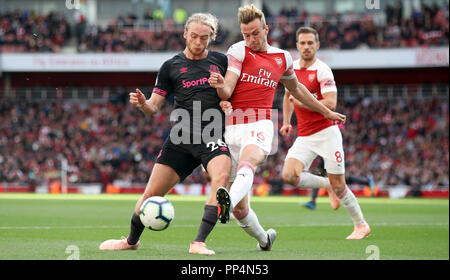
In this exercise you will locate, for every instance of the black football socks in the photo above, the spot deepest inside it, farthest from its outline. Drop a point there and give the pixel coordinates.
(136, 229)
(208, 222)
(206, 226)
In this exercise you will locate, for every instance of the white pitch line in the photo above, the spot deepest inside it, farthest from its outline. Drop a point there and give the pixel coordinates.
(72, 227)
(188, 226)
(59, 227)
(371, 224)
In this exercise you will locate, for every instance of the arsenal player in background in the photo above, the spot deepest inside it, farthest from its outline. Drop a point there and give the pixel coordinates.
(316, 135)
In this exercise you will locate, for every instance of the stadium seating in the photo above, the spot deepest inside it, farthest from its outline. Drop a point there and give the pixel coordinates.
(24, 31)
(397, 132)
(106, 140)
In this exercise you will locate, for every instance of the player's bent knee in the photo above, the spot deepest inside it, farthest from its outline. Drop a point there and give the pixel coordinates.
(221, 179)
(338, 188)
(338, 185)
(147, 194)
(141, 200)
(289, 178)
(241, 213)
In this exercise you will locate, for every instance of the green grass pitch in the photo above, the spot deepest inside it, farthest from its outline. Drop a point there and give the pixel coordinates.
(35, 226)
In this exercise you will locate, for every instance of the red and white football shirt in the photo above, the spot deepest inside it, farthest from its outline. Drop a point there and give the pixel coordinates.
(318, 79)
(259, 74)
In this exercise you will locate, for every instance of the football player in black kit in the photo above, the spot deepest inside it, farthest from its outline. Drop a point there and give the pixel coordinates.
(186, 76)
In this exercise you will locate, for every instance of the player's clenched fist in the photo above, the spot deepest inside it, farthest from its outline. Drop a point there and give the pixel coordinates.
(336, 117)
(226, 107)
(137, 99)
(216, 80)
(286, 129)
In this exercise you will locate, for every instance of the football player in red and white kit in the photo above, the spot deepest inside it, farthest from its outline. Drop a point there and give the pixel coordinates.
(254, 70)
(318, 136)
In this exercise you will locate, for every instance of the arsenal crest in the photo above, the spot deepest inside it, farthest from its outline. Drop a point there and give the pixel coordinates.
(311, 77)
(279, 61)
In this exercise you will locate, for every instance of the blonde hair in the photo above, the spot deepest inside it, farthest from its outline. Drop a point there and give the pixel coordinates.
(248, 13)
(206, 19)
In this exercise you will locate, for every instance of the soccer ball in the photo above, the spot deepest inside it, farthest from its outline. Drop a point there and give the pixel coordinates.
(156, 213)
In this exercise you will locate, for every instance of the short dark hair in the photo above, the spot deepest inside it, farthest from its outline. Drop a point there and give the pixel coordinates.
(307, 30)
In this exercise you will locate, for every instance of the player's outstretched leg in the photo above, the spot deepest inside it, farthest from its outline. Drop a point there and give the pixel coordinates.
(198, 246)
(218, 169)
(224, 201)
(248, 221)
(350, 203)
(361, 227)
(245, 174)
(294, 175)
(163, 178)
(130, 243)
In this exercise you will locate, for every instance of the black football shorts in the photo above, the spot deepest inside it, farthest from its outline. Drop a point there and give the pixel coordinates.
(184, 158)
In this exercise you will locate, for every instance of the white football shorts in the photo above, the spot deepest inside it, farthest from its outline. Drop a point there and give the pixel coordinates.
(326, 143)
(238, 136)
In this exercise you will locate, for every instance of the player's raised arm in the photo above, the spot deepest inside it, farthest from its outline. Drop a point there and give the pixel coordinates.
(329, 99)
(150, 106)
(301, 93)
(225, 86)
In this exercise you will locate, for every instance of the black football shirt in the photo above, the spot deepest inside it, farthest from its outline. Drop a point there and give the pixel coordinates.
(187, 81)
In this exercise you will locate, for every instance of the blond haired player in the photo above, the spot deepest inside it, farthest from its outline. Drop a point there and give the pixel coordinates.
(318, 136)
(186, 77)
(254, 70)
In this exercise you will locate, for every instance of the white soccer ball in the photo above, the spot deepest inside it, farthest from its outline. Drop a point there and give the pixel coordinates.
(156, 213)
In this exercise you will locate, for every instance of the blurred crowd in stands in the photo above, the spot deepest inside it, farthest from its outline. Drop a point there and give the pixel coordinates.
(23, 31)
(132, 34)
(425, 27)
(402, 142)
(102, 142)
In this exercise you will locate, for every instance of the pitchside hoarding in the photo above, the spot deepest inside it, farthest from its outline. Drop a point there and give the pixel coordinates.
(151, 62)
